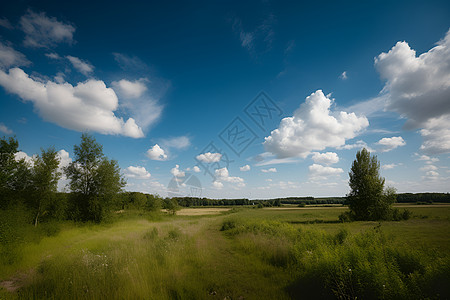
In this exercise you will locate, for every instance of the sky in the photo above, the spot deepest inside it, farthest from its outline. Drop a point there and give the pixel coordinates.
(232, 99)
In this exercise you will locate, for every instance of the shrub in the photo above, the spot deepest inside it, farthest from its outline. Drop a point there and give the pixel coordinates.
(346, 217)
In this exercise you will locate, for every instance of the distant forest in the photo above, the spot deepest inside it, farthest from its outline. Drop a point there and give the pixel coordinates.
(401, 198)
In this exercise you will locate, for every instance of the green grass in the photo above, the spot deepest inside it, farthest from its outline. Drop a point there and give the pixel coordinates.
(259, 254)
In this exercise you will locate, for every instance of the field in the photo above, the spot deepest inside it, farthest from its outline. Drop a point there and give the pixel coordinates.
(243, 253)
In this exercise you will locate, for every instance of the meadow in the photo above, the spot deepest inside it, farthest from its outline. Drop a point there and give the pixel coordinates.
(233, 253)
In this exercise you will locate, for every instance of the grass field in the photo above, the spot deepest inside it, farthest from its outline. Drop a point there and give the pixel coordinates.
(244, 253)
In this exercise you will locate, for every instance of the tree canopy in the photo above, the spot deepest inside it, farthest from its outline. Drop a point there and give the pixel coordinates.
(367, 198)
(94, 180)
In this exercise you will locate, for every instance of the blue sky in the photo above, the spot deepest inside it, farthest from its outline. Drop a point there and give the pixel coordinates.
(258, 99)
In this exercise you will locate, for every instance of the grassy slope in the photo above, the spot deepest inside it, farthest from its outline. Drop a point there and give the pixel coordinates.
(188, 257)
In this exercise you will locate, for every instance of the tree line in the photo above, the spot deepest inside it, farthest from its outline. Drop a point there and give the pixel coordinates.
(94, 182)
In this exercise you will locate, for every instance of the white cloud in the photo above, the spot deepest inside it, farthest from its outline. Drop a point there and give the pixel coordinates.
(418, 88)
(82, 66)
(53, 55)
(11, 58)
(244, 168)
(389, 166)
(223, 175)
(217, 185)
(270, 170)
(209, 157)
(431, 175)
(313, 127)
(327, 158)
(319, 170)
(156, 153)
(180, 142)
(130, 89)
(388, 144)
(343, 76)
(64, 158)
(426, 158)
(137, 172)
(43, 31)
(22, 155)
(428, 168)
(176, 172)
(89, 105)
(370, 108)
(5, 129)
(196, 169)
(268, 158)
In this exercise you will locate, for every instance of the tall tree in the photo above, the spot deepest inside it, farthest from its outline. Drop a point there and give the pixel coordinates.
(367, 200)
(94, 179)
(45, 177)
(15, 176)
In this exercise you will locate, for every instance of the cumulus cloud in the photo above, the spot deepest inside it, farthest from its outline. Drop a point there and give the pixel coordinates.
(313, 127)
(327, 158)
(89, 105)
(42, 31)
(418, 88)
(209, 157)
(222, 175)
(244, 168)
(317, 170)
(388, 144)
(141, 102)
(130, 89)
(82, 66)
(196, 169)
(156, 153)
(22, 155)
(5, 129)
(64, 159)
(217, 185)
(270, 170)
(137, 172)
(11, 58)
(177, 172)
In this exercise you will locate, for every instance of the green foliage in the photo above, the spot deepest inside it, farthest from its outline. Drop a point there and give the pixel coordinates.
(94, 180)
(153, 203)
(367, 199)
(171, 205)
(365, 265)
(45, 176)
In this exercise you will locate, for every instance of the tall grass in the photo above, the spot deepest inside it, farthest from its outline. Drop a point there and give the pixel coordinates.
(367, 265)
(251, 253)
(155, 265)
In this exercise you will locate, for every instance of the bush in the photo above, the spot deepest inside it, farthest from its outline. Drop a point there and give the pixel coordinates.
(228, 224)
(346, 217)
(398, 215)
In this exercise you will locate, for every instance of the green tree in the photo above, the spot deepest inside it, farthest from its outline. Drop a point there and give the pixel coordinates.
(45, 177)
(172, 206)
(15, 176)
(94, 180)
(367, 199)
